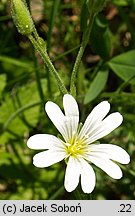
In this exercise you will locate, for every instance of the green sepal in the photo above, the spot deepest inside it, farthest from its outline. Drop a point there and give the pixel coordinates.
(21, 17)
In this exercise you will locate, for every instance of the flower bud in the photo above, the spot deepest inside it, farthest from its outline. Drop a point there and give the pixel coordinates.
(95, 6)
(21, 17)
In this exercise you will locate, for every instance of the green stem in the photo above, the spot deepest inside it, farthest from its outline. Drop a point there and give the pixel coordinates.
(39, 86)
(5, 18)
(117, 94)
(35, 33)
(54, 9)
(49, 64)
(55, 6)
(84, 43)
(59, 192)
(65, 53)
(48, 81)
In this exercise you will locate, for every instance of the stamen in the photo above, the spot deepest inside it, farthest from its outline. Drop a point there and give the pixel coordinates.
(76, 147)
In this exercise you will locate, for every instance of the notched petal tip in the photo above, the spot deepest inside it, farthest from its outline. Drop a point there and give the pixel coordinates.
(47, 105)
(36, 162)
(119, 117)
(42, 141)
(105, 103)
(48, 158)
(67, 96)
(123, 156)
(88, 178)
(118, 176)
(126, 160)
(72, 174)
(70, 105)
(30, 141)
(68, 189)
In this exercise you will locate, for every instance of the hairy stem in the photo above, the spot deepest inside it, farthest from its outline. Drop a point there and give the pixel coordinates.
(84, 43)
(48, 63)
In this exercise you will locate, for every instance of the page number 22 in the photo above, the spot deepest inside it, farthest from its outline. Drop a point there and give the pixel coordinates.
(125, 208)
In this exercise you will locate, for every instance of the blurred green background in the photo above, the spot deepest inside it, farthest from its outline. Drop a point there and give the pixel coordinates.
(107, 72)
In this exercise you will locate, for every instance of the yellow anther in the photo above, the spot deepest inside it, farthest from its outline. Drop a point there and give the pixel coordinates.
(75, 148)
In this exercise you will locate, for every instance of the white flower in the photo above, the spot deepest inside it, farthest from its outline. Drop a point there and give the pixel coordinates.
(76, 146)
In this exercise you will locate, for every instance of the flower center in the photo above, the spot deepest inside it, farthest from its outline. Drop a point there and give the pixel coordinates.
(76, 147)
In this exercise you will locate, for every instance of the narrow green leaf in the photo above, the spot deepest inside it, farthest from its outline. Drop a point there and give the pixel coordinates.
(84, 17)
(2, 82)
(101, 43)
(96, 86)
(120, 2)
(16, 62)
(55, 7)
(124, 66)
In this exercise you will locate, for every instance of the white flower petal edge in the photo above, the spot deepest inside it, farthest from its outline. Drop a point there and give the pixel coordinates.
(70, 106)
(48, 158)
(57, 117)
(88, 178)
(112, 169)
(75, 169)
(44, 141)
(95, 117)
(111, 151)
(72, 174)
(71, 115)
(110, 123)
(66, 124)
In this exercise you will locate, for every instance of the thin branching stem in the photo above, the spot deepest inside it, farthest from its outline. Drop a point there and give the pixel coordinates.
(85, 40)
(49, 64)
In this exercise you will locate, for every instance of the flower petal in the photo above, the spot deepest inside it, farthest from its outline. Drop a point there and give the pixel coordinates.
(44, 141)
(72, 174)
(105, 127)
(96, 116)
(106, 165)
(57, 117)
(72, 114)
(88, 178)
(47, 158)
(113, 152)
(70, 106)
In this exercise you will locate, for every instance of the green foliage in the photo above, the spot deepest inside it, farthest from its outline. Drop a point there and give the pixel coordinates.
(101, 43)
(121, 2)
(2, 83)
(124, 66)
(20, 123)
(97, 85)
(84, 17)
(95, 5)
